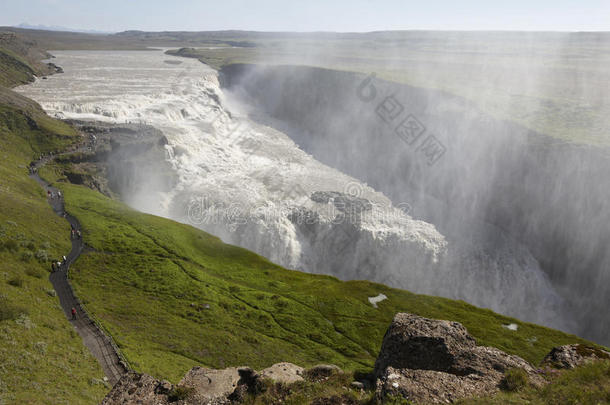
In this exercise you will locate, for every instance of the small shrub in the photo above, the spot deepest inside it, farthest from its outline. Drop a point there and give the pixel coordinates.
(25, 321)
(10, 245)
(514, 379)
(30, 246)
(41, 347)
(588, 351)
(42, 256)
(97, 381)
(33, 272)
(27, 256)
(16, 281)
(281, 304)
(179, 393)
(46, 245)
(345, 399)
(9, 312)
(396, 400)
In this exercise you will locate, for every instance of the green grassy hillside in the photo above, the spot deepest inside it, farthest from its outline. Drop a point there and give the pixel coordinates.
(150, 281)
(20, 60)
(15, 70)
(42, 358)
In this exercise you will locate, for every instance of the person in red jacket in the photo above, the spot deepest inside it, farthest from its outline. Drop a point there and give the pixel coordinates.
(73, 313)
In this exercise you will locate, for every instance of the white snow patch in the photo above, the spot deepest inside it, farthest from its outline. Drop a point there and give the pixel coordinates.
(511, 326)
(375, 300)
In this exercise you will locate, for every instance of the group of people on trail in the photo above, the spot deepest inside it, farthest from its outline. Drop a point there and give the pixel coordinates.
(53, 195)
(58, 265)
(75, 234)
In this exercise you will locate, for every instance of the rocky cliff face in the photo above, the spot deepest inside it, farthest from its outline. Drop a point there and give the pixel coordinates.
(120, 159)
(492, 188)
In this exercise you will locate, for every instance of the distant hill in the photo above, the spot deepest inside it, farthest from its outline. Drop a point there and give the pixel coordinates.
(58, 28)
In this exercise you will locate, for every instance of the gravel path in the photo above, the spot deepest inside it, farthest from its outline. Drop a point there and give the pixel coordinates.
(98, 343)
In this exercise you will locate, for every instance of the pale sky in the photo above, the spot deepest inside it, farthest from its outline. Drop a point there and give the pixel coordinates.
(311, 15)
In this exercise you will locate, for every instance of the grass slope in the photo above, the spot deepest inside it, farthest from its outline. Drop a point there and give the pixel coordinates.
(42, 358)
(13, 69)
(587, 384)
(20, 60)
(150, 280)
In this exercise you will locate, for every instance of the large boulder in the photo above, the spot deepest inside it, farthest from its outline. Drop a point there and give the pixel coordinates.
(570, 356)
(435, 361)
(286, 373)
(210, 385)
(419, 343)
(134, 388)
(429, 386)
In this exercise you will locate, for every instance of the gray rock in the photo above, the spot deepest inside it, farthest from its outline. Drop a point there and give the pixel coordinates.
(357, 385)
(200, 386)
(211, 386)
(343, 202)
(435, 361)
(570, 356)
(321, 372)
(419, 343)
(134, 388)
(287, 373)
(429, 386)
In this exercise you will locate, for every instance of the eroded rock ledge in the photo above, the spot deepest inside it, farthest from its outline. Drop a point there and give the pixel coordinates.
(422, 360)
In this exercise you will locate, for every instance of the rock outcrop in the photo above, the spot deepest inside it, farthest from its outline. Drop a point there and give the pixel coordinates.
(286, 373)
(210, 385)
(422, 360)
(434, 361)
(134, 388)
(204, 385)
(570, 356)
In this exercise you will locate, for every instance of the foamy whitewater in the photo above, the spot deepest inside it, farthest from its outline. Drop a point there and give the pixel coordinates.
(253, 186)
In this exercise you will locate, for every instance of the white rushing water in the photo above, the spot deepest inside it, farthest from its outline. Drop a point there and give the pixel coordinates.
(253, 186)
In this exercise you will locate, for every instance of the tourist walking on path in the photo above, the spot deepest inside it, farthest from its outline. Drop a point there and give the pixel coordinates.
(99, 344)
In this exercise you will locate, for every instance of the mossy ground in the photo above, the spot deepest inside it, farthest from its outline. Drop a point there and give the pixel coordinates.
(42, 358)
